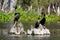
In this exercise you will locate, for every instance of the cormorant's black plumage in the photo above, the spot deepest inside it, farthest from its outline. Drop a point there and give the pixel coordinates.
(17, 15)
(36, 25)
(42, 22)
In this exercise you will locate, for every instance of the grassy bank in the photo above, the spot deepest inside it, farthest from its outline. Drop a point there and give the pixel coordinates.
(29, 16)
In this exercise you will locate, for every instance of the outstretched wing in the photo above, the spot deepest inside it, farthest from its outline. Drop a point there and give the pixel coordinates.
(42, 22)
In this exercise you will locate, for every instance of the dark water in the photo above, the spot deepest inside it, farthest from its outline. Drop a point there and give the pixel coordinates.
(54, 29)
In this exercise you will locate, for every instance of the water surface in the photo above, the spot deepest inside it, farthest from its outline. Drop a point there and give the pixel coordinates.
(53, 27)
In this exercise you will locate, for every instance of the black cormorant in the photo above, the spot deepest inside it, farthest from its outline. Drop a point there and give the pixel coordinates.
(42, 22)
(17, 15)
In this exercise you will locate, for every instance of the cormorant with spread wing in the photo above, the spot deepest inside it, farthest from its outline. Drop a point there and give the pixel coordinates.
(42, 21)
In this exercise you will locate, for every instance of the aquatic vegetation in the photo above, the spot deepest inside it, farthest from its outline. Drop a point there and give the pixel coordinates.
(27, 16)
